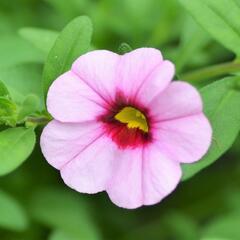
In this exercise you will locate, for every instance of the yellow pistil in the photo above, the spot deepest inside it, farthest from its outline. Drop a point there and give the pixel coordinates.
(133, 118)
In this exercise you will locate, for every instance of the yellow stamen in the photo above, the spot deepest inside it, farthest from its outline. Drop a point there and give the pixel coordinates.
(133, 118)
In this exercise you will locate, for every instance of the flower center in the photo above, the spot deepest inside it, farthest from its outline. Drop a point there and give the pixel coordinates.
(133, 118)
(125, 124)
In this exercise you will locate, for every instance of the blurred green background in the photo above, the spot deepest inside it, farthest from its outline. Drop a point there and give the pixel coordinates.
(34, 202)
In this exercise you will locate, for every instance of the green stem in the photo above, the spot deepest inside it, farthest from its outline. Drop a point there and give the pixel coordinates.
(38, 120)
(211, 72)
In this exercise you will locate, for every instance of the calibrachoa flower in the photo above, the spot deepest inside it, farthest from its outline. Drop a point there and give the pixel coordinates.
(122, 126)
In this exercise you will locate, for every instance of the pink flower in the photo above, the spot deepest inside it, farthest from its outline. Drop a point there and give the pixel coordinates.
(121, 126)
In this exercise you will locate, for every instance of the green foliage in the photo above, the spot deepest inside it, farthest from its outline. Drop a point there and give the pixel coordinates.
(13, 215)
(63, 235)
(193, 40)
(124, 48)
(69, 9)
(220, 18)
(232, 200)
(8, 109)
(42, 39)
(8, 112)
(16, 144)
(172, 226)
(73, 41)
(29, 106)
(22, 79)
(65, 211)
(15, 50)
(3, 90)
(221, 105)
(225, 227)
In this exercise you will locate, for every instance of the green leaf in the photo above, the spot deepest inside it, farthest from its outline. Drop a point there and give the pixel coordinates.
(193, 40)
(8, 112)
(173, 225)
(216, 239)
(72, 42)
(3, 90)
(42, 39)
(220, 18)
(221, 105)
(223, 228)
(63, 210)
(16, 144)
(15, 50)
(22, 79)
(210, 238)
(63, 235)
(180, 226)
(71, 8)
(13, 216)
(29, 106)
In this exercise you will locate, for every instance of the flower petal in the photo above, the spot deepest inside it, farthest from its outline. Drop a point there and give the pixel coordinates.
(125, 187)
(157, 81)
(142, 177)
(161, 175)
(61, 142)
(98, 70)
(91, 169)
(184, 140)
(71, 100)
(179, 99)
(135, 67)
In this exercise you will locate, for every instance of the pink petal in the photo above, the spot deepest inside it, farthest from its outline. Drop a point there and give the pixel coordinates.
(91, 169)
(185, 139)
(157, 81)
(160, 175)
(142, 177)
(179, 99)
(135, 68)
(61, 142)
(98, 70)
(125, 187)
(71, 100)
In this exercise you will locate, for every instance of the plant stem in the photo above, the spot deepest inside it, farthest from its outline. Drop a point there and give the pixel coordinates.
(41, 120)
(211, 72)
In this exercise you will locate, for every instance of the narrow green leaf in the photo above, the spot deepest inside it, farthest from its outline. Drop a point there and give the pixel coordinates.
(220, 18)
(221, 105)
(42, 39)
(29, 106)
(16, 144)
(63, 210)
(73, 41)
(8, 112)
(13, 216)
(3, 90)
